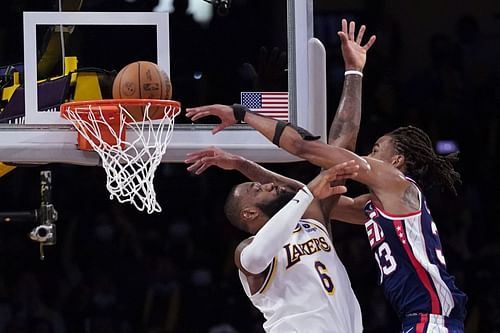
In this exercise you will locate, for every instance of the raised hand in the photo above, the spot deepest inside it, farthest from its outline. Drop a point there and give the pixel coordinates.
(321, 186)
(203, 159)
(224, 112)
(353, 52)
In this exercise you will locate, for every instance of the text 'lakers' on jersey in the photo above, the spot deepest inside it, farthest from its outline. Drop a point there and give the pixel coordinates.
(412, 267)
(307, 288)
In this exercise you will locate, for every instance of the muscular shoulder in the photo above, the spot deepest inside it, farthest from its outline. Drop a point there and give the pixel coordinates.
(237, 253)
(402, 200)
(411, 197)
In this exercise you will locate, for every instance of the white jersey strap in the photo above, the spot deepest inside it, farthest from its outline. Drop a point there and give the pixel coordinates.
(273, 235)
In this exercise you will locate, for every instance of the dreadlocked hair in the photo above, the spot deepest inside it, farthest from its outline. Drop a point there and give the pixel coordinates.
(421, 162)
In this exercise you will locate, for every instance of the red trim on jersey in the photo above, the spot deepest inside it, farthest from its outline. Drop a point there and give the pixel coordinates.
(424, 319)
(393, 216)
(421, 273)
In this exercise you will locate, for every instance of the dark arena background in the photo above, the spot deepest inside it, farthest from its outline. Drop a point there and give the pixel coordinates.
(435, 64)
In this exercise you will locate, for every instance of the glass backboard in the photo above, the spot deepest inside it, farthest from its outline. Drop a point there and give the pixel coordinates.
(252, 50)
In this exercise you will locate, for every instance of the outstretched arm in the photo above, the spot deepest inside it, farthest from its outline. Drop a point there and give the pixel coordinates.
(345, 126)
(289, 139)
(213, 156)
(377, 175)
(202, 159)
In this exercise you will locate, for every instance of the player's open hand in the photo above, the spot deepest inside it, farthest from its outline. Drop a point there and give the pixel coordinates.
(321, 186)
(224, 112)
(203, 159)
(353, 52)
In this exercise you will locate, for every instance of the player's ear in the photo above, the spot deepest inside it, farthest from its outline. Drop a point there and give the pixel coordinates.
(398, 161)
(249, 214)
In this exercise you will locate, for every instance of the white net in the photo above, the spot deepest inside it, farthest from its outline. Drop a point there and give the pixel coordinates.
(130, 162)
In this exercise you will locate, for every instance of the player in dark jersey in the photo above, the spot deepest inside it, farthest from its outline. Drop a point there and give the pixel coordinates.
(406, 243)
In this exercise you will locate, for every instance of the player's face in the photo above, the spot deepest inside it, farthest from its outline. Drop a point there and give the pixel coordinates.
(258, 193)
(383, 149)
(269, 197)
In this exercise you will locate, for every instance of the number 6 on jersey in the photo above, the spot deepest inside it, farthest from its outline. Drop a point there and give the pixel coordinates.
(325, 278)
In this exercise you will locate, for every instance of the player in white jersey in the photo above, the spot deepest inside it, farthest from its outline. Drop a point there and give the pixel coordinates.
(289, 269)
(291, 298)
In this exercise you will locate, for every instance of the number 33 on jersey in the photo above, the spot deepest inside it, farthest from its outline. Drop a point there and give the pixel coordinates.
(411, 263)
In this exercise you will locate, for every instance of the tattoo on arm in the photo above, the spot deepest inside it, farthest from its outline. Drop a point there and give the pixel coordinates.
(343, 131)
(345, 126)
(411, 197)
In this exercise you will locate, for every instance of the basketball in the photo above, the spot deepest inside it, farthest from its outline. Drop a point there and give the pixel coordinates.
(142, 79)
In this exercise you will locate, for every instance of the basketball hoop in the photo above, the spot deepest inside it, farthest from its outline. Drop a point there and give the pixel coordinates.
(130, 136)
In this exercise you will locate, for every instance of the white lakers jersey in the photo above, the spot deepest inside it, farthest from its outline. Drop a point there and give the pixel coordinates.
(307, 288)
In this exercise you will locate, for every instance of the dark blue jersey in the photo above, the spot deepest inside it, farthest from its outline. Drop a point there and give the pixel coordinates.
(412, 265)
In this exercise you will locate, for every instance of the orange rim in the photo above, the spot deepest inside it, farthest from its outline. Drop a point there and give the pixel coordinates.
(84, 105)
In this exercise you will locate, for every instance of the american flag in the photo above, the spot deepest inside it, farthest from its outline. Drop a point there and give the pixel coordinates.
(269, 104)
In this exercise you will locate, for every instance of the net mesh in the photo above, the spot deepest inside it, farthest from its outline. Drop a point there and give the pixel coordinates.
(130, 160)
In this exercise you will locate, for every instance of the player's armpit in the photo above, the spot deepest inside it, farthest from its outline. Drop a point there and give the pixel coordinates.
(350, 210)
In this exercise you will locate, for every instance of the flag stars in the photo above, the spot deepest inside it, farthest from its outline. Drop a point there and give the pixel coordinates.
(267, 103)
(401, 235)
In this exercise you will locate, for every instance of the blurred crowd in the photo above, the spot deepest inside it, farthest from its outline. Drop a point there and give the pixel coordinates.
(116, 270)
